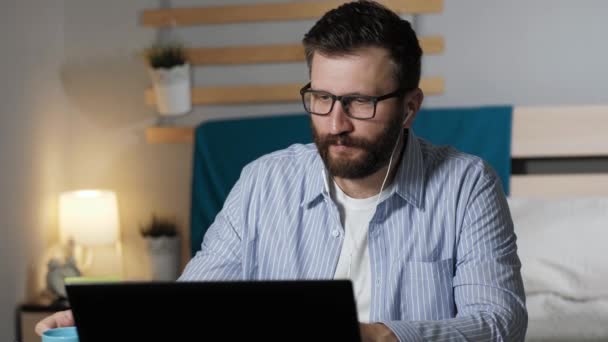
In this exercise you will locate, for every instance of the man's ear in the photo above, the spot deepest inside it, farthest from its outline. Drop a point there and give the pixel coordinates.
(412, 104)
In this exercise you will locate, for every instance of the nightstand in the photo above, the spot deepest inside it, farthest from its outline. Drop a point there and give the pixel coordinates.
(30, 313)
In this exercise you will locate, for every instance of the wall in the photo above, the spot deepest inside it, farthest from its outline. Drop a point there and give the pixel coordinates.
(33, 127)
(548, 52)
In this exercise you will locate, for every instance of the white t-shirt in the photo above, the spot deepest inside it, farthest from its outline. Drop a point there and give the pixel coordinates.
(354, 264)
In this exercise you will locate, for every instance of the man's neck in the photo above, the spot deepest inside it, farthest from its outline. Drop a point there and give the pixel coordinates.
(370, 186)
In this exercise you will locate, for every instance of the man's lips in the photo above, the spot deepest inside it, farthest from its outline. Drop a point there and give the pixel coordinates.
(341, 148)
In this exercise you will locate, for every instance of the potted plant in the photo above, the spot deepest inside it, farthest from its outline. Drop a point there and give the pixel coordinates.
(163, 246)
(170, 72)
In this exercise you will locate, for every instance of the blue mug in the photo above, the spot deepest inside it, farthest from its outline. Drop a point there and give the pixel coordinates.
(67, 334)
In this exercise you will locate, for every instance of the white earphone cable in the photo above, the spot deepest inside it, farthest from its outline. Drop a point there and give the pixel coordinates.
(390, 161)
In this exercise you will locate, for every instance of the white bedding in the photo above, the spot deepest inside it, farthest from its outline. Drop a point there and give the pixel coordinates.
(553, 318)
(563, 247)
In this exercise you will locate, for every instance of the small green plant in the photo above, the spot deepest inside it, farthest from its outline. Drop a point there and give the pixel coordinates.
(159, 226)
(166, 55)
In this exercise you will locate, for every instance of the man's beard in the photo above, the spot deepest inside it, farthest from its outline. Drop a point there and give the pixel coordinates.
(376, 151)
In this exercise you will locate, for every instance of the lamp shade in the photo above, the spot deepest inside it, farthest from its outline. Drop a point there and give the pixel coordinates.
(89, 217)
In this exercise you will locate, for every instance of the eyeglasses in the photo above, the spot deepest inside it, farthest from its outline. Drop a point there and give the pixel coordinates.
(361, 107)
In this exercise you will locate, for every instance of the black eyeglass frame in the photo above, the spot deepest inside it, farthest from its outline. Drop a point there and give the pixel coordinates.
(375, 99)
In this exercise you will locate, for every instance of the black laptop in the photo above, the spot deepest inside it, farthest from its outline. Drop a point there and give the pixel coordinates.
(311, 310)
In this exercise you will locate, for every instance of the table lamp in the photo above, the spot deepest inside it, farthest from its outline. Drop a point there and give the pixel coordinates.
(88, 218)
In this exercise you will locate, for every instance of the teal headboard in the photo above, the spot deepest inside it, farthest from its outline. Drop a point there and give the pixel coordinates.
(223, 148)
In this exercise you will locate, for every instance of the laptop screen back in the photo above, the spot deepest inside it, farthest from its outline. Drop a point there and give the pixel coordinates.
(213, 311)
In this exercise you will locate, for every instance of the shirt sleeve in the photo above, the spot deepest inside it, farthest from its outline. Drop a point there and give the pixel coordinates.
(220, 255)
(488, 289)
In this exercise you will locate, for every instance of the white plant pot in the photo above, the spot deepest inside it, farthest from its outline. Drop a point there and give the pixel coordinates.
(164, 253)
(172, 89)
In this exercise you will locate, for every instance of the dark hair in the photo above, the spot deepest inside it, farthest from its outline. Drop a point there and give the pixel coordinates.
(365, 23)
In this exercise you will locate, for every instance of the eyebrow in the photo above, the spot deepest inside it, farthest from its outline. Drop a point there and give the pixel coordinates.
(347, 94)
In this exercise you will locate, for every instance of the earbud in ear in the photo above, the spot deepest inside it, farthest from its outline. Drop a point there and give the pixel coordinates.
(409, 114)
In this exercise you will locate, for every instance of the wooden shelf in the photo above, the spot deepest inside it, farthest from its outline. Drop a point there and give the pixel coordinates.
(432, 45)
(239, 94)
(268, 12)
(277, 53)
(170, 135)
(279, 93)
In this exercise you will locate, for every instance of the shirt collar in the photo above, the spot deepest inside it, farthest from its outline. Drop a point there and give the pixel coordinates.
(409, 177)
(316, 180)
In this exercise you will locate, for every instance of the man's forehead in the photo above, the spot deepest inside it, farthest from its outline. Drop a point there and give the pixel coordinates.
(362, 51)
(364, 70)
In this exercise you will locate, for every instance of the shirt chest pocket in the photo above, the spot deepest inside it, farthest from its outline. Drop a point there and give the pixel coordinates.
(427, 291)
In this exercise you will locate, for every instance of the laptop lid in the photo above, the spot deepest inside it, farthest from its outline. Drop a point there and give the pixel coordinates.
(310, 310)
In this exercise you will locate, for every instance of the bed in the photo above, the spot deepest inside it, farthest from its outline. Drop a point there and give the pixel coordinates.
(561, 221)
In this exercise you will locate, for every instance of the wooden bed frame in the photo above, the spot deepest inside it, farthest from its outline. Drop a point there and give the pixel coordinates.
(560, 132)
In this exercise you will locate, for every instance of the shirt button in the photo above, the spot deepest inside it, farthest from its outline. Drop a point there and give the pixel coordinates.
(335, 233)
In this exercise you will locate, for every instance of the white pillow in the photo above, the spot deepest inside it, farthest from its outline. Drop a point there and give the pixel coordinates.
(563, 245)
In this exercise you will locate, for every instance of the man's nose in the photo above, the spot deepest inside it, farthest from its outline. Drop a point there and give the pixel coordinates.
(338, 120)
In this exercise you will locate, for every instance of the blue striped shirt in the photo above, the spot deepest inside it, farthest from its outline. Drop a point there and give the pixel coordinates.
(443, 253)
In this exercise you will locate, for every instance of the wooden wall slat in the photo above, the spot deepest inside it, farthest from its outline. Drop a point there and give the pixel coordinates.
(432, 45)
(163, 135)
(432, 85)
(240, 94)
(276, 53)
(278, 93)
(414, 6)
(267, 12)
(246, 54)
